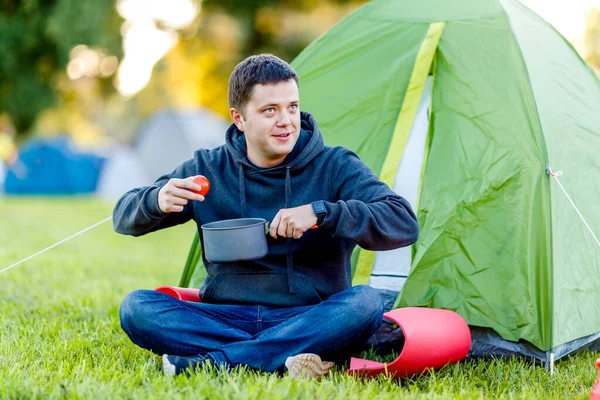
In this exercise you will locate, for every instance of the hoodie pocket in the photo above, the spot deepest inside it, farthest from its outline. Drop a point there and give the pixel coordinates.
(264, 288)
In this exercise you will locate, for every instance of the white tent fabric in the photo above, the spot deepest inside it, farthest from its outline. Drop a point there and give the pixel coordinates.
(3, 172)
(171, 137)
(122, 172)
(391, 267)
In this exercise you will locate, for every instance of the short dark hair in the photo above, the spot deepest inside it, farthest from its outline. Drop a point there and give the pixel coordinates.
(262, 69)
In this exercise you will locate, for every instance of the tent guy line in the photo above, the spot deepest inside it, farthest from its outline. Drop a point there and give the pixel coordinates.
(56, 244)
(551, 172)
(555, 175)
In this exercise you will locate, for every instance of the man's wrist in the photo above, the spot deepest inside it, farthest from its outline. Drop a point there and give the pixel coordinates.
(320, 211)
(152, 204)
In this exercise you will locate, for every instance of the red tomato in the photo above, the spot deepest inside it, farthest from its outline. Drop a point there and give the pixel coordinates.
(203, 182)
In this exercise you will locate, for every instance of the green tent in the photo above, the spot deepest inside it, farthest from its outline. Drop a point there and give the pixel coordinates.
(463, 106)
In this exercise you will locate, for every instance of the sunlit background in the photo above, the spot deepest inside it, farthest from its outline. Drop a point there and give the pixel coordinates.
(571, 18)
(109, 65)
(145, 43)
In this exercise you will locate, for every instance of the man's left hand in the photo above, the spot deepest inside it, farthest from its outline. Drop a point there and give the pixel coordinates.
(293, 222)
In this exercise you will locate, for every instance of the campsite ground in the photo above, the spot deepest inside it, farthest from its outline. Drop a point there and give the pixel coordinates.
(60, 335)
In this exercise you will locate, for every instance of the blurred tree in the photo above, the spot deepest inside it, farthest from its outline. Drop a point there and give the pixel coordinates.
(196, 71)
(592, 38)
(261, 20)
(46, 47)
(36, 38)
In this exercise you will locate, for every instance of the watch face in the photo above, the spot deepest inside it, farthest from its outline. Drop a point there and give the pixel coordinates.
(319, 207)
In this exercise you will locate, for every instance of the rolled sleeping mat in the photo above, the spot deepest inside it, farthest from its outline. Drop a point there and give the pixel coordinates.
(185, 294)
(432, 339)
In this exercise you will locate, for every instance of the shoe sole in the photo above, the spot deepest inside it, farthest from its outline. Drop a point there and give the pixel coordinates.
(307, 366)
(168, 368)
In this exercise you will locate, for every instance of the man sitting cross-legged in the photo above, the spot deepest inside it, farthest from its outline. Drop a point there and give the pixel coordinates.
(298, 299)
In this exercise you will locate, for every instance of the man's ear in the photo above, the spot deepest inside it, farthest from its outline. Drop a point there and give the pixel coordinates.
(238, 118)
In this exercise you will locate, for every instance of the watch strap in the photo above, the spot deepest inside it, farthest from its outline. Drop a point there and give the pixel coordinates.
(320, 211)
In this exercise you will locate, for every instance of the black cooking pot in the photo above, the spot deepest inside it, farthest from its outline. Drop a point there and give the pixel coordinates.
(241, 239)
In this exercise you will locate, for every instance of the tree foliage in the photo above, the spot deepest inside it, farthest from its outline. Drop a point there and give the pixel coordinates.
(196, 71)
(592, 38)
(36, 37)
(251, 14)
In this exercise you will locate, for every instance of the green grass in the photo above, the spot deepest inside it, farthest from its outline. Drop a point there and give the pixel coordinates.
(60, 335)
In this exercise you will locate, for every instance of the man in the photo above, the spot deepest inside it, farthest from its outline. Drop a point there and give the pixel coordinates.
(298, 299)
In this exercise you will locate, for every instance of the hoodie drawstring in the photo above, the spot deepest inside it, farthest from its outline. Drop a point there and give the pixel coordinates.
(288, 197)
(242, 187)
(289, 258)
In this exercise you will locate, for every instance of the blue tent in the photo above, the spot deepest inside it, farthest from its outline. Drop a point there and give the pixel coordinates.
(54, 167)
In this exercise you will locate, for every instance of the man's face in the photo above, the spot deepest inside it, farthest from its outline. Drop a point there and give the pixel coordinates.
(270, 122)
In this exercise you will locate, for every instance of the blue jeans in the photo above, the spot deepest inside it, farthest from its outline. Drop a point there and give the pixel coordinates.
(257, 336)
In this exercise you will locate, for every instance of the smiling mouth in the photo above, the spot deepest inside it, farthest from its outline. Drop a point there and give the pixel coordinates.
(283, 135)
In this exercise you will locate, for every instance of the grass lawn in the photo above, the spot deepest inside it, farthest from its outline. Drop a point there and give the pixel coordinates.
(60, 335)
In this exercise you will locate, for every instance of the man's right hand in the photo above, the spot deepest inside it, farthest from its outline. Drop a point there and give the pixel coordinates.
(173, 196)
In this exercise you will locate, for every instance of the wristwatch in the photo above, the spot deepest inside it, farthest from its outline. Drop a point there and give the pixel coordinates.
(320, 211)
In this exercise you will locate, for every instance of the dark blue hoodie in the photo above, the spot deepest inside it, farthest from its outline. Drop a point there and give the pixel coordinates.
(361, 210)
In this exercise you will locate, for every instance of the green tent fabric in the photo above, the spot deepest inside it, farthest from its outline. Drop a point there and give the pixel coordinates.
(500, 243)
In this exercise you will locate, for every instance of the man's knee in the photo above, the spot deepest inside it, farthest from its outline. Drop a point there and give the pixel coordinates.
(365, 303)
(363, 306)
(135, 310)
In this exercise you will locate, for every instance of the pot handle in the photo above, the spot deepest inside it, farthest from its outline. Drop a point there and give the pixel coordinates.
(268, 225)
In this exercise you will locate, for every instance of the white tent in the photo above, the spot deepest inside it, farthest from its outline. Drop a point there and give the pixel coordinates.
(3, 171)
(121, 172)
(170, 137)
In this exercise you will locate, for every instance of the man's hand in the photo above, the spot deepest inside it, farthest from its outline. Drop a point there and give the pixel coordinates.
(173, 196)
(293, 222)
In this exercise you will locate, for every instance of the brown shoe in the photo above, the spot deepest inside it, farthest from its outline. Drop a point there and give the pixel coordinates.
(307, 366)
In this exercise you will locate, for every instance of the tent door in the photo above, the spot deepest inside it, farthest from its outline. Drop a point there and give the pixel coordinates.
(391, 268)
